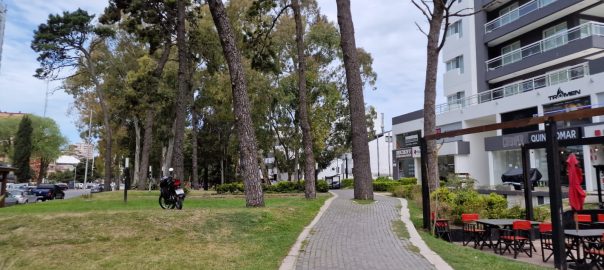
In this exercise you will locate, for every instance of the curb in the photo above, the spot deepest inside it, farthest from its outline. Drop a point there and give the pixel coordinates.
(289, 262)
(417, 240)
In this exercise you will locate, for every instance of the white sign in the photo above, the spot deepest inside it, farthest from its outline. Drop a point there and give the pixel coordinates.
(416, 152)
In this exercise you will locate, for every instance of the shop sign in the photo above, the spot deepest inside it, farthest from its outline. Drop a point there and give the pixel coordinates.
(404, 153)
(593, 131)
(513, 141)
(412, 138)
(563, 134)
(562, 94)
(416, 152)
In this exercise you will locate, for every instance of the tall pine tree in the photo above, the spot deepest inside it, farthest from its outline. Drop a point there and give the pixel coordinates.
(23, 147)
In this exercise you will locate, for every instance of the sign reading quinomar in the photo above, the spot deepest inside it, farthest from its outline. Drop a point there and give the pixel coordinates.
(562, 94)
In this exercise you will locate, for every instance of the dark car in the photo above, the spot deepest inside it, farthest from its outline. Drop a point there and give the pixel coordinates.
(514, 177)
(63, 186)
(49, 192)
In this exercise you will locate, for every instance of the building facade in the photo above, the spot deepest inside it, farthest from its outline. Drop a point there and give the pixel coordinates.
(513, 60)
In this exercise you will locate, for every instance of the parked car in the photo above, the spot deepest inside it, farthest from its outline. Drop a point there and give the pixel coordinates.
(49, 192)
(19, 196)
(10, 200)
(94, 188)
(63, 186)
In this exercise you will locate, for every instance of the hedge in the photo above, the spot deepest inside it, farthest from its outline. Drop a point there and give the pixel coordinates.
(280, 187)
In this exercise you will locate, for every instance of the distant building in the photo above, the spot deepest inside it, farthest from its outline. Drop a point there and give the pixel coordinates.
(84, 150)
(2, 22)
(63, 163)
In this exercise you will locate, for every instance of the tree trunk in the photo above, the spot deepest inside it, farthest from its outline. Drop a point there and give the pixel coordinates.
(180, 104)
(307, 140)
(363, 186)
(108, 146)
(43, 169)
(169, 152)
(148, 140)
(195, 121)
(245, 130)
(263, 167)
(137, 153)
(430, 93)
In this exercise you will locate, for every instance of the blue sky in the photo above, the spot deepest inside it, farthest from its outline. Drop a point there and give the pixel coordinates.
(385, 28)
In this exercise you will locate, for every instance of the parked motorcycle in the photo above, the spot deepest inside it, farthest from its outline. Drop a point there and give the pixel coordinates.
(171, 193)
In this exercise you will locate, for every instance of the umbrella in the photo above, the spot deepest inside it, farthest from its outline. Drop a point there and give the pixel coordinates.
(576, 195)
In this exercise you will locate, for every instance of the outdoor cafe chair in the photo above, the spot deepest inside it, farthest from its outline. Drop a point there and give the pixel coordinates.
(472, 231)
(545, 236)
(516, 240)
(583, 220)
(594, 251)
(441, 227)
(600, 217)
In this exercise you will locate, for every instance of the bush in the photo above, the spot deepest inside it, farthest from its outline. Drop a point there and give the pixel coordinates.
(347, 183)
(495, 206)
(387, 185)
(383, 178)
(407, 191)
(233, 188)
(288, 187)
(408, 181)
(322, 186)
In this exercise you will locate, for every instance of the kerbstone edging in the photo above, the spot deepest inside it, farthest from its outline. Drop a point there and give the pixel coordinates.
(417, 240)
(289, 262)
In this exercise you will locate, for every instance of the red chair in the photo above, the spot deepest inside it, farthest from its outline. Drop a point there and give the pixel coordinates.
(594, 251)
(516, 240)
(600, 217)
(475, 232)
(441, 227)
(545, 235)
(583, 220)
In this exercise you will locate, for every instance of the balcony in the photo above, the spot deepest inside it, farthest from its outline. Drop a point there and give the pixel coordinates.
(549, 79)
(515, 14)
(573, 43)
(529, 17)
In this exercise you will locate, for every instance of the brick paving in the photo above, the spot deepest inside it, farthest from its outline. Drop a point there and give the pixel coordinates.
(359, 236)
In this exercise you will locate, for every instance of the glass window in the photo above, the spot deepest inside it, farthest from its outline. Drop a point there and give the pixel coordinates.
(511, 53)
(553, 37)
(446, 166)
(504, 161)
(508, 14)
(454, 29)
(567, 106)
(455, 63)
(456, 100)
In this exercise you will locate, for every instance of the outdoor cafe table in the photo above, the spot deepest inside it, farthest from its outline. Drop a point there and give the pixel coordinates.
(579, 237)
(493, 224)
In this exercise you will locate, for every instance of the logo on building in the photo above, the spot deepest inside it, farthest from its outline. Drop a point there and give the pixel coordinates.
(562, 94)
(403, 153)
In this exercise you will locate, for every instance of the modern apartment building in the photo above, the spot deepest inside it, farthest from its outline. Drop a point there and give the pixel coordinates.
(513, 59)
(2, 23)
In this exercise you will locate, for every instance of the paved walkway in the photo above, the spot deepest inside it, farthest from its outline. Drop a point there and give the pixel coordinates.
(357, 236)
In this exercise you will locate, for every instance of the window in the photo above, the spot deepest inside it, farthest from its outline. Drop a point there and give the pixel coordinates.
(455, 63)
(552, 37)
(456, 100)
(511, 53)
(508, 14)
(454, 29)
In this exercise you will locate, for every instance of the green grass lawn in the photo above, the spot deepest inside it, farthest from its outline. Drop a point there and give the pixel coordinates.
(104, 233)
(460, 257)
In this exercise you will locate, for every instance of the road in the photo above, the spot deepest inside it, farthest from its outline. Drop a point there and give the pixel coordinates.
(74, 193)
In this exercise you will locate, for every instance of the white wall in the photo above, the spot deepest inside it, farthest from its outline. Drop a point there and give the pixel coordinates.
(385, 156)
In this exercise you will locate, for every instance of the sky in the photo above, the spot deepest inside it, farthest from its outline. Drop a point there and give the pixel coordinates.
(384, 28)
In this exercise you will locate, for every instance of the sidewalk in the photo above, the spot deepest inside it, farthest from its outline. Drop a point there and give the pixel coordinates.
(359, 236)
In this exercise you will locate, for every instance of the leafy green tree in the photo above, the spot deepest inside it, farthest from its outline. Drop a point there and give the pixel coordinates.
(47, 142)
(23, 149)
(68, 41)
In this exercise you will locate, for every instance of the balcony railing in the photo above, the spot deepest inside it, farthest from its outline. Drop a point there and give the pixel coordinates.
(515, 14)
(549, 79)
(555, 41)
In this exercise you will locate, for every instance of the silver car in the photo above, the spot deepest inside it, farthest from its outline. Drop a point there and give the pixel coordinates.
(19, 196)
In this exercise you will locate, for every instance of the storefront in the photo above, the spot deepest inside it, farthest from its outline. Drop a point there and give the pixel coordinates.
(404, 157)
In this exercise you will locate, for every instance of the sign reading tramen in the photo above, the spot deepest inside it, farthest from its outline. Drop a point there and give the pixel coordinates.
(562, 94)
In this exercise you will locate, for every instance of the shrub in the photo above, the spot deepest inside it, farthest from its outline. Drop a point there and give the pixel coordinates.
(408, 181)
(515, 212)
(387, 185)
(322, 186)
(407, 191)
(347, 183)
(495, 206)
(233, 188)
(288, 187)
(383, 178)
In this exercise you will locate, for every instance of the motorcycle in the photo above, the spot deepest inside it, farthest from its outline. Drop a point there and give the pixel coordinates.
(171, 194)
